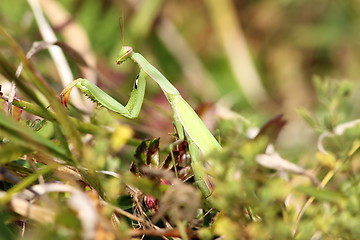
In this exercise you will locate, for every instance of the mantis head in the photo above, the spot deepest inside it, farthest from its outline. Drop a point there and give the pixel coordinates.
(124, 54)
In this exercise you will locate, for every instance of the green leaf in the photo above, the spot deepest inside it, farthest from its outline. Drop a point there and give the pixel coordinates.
(10, 152)
(152, 154)
(125, 202)
(307, 117)
(5, 231)
(321, 194)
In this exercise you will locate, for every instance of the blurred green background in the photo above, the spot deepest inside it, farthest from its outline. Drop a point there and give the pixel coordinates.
(252, 56)
(228, 58)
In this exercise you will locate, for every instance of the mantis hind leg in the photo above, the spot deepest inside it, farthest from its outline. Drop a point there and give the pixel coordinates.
(200, 176)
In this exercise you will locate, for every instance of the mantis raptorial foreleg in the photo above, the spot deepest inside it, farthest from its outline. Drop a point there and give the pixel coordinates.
(132, 108)
(186, 121)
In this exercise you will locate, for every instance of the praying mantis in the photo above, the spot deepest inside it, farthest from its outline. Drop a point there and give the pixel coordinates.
(187, 123)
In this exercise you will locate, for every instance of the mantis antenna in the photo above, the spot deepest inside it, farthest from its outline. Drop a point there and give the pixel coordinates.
(121, 23)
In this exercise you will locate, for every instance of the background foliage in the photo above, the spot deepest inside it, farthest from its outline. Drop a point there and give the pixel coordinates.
(239, 63)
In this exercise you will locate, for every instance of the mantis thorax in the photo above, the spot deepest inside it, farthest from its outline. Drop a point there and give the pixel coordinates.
(124, 54)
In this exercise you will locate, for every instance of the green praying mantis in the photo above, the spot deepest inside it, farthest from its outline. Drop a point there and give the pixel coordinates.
(187, 123)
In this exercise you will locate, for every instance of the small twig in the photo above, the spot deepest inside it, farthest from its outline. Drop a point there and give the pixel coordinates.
(175, 233)
(323, 183)
(9, 177)
(171, 147)
(41, 178)
(11, 97)
(127, 214)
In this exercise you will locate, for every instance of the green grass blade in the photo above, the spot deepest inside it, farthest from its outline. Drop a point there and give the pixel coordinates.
(24, 184)
(30, 139)
(35, 78)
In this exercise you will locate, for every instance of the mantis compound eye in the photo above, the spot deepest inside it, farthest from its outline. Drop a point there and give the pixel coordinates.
(124, 54)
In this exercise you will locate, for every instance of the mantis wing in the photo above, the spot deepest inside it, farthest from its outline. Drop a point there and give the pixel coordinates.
(194, 127)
